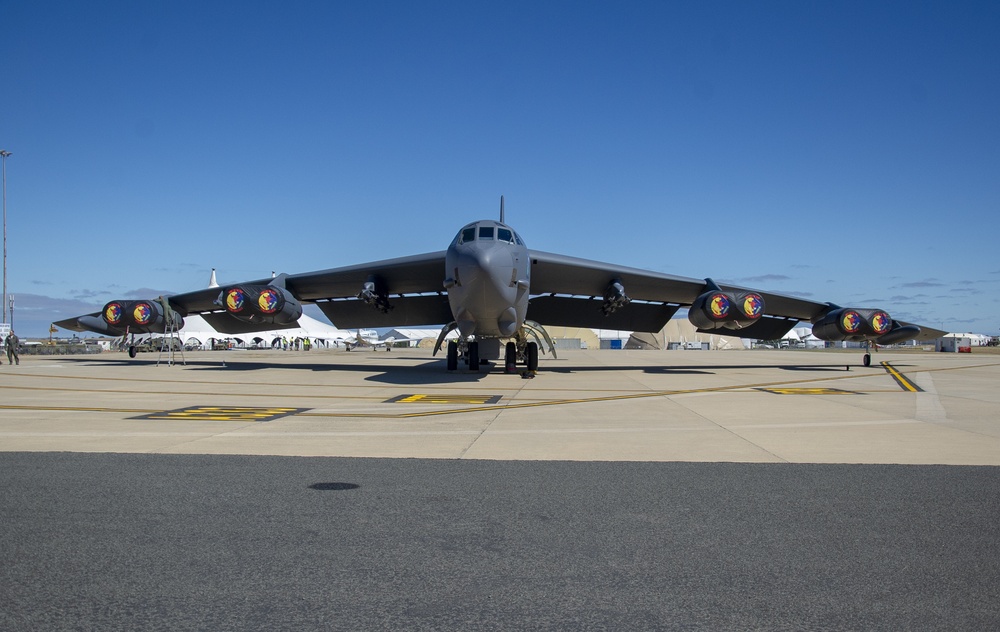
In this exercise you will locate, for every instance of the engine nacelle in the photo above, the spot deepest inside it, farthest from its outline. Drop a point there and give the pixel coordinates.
(261, 304)
(726, 310)
(138, 316)
(850, 323)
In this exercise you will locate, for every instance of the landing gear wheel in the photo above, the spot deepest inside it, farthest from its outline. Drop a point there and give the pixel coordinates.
(510, 358)
(474, 356)
(132, 351)
(867, 360)
(452, 356)
(531, 350)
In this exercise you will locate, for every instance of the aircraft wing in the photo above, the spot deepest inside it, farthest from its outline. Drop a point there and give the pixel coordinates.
(569, 291)
(80, 323)
(926, 333)
(413, 285)
(566, 291)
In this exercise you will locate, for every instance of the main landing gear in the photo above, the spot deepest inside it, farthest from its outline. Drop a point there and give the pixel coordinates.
(471, 355)
(520, 350)
(530, 358)
(511, 357)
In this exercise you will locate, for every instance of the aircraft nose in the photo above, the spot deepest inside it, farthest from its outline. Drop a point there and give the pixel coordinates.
(484, 291)
(488, 265)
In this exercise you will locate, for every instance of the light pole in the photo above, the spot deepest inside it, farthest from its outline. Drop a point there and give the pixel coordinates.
(4, 153)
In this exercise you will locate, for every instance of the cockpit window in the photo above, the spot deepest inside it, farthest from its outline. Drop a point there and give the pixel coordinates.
(488, 231)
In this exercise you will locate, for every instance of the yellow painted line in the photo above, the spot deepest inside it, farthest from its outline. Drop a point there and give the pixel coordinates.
(220, 413)
(807, 391)
(901, 379)
(82, 409)
(454, 411)
(422, 398)
(172, 393)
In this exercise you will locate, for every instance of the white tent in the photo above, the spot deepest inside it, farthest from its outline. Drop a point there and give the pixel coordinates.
(198, 333)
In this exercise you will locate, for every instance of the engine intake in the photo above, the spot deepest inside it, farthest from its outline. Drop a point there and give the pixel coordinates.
(260, 304)
(717, 309)
(853, 324)
(140, 316)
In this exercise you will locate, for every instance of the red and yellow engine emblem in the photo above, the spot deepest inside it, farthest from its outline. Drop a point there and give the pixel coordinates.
(719, 306)
(851, 322)
(113, 313)
(142, 314)
(235, 299)
(881, 323)
(268, 301)
(753, 305)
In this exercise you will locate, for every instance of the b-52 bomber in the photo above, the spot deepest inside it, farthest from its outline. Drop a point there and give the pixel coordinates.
(499, 295)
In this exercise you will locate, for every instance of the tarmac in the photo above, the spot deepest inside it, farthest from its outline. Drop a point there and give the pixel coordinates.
(763, 406)
(268, 490)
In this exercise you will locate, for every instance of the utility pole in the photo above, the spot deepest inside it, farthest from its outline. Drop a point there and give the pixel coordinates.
(4, 153)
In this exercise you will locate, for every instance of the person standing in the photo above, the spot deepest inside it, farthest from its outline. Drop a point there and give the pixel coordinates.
(12, 343)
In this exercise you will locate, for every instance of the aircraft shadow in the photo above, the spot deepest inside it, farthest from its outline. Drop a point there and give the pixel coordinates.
(405, 373)
(691, 370)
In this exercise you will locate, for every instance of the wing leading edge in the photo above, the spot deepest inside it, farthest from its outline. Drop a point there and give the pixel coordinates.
(571, 291)
(565, 291)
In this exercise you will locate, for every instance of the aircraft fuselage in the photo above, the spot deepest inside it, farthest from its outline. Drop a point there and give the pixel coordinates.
(487, 278)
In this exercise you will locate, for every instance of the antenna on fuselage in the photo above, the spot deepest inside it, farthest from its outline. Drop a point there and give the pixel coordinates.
(501, 210)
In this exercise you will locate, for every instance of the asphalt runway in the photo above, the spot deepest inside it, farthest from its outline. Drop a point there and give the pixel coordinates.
(616, 490)
(191, 542)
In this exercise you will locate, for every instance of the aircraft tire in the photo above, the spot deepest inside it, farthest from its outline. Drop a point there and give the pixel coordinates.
(532, 352)
(132, 351)
(452, 356)
(867, 360)
(510, 358)
(474, 356)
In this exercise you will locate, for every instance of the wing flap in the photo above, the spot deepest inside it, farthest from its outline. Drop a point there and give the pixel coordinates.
(567, 311)
(406, 311)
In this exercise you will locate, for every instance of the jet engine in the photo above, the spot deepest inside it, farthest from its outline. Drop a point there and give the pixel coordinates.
(857, 325)
(261, 304)
(137, 316)
(717, 309)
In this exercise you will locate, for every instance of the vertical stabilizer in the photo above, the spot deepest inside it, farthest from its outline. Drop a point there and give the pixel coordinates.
(212, 282)
(501, 210)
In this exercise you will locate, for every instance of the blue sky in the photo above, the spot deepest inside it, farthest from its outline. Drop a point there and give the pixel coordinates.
(844, 151)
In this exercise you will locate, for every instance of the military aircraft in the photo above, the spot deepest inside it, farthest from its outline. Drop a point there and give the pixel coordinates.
(367, 339)
(489, 286)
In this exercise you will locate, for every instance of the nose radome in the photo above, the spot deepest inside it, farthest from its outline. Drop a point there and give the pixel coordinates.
(493, 259)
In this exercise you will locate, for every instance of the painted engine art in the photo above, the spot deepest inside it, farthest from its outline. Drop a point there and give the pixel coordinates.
(260, 304)
(726, 310)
